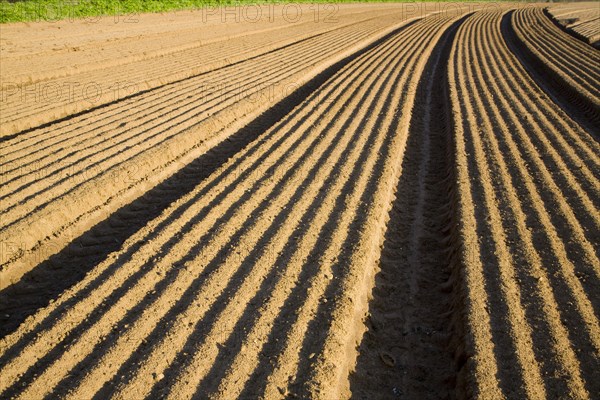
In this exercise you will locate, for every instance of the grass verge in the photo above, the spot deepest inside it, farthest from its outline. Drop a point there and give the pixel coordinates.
(55, 10)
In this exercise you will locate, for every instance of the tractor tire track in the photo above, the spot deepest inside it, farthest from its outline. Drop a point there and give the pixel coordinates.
(409, 350)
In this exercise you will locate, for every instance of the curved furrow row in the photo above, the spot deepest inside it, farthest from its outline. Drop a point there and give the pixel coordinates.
(341, 274)
(579, 19)
(277, 242)
(554, 155)
(560, 62)
(575, 145)
(39, 103)
(577, 56)
(531, 255)
(571, 55)
(100, 178)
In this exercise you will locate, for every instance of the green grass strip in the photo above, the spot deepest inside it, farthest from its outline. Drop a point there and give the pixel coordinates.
(55, 10)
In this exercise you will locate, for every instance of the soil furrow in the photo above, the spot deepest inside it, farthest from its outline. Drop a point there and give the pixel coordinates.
(587, 17)
(538, 126)
(17, 65)
(568, 289)
(544, 164)
(36, 108)
(577, 92)
(206, 88)
(181, 330)
(480, 374)
(543, 282)
(71, 262)
(119, 48)
(246, 239)
(231, 91)
(196, 87)
(408, 349)
(201, 164)
(338, 333)
(402, 202)
(567, 365)
(508, 322)
(256, 176)
(90, 159)
(200, 364)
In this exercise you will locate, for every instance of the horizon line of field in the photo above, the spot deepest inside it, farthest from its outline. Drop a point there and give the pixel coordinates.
(249, 10)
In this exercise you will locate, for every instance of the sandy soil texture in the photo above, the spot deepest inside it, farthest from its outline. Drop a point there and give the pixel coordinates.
(396, 201)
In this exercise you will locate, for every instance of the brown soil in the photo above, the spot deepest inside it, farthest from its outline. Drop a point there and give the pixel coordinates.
(408, 349)
(400, 203)
(560, 63)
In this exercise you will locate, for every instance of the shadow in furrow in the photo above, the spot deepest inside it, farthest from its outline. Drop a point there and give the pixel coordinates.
(534, 300)
(135, 278)
(135, 216)
(146, 267)
(411, 348)
(202, 328)
(308, 272)
(129, 368)
(121, 143)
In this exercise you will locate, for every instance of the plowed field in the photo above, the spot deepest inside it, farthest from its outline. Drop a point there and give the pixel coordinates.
(325, 201)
